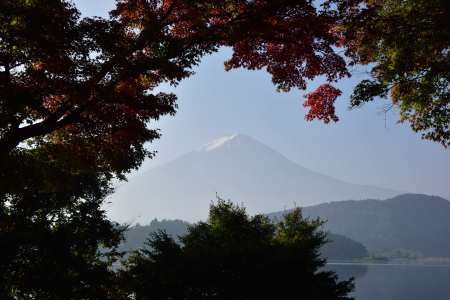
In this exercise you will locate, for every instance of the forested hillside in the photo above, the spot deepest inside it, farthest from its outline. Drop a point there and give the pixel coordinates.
(413, 222)
(338, 248)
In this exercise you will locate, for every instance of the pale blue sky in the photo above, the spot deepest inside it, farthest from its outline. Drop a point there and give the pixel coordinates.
(357, 149)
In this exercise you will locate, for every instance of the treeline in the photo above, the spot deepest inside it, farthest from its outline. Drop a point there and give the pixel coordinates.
(135, 236)
(230, 256)
(234, 256)
(402, 223)
(338, 247)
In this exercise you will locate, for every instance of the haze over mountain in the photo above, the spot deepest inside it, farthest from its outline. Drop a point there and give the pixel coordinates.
(418, 223)
(236, 167)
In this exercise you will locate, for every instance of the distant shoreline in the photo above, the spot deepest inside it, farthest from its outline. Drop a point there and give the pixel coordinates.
(389, 264)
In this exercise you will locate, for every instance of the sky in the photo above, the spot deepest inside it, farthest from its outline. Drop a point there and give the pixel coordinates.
(361, 148)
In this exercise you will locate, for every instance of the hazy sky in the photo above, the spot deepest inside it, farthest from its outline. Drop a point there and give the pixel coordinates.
(358, 149)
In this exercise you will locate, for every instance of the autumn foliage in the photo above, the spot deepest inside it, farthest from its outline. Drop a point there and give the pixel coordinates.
(78, 100)
(407, 46)
(87, 83)
(321, 103)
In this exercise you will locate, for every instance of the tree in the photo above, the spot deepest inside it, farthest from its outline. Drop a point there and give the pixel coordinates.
(407, 43)
(77, 95)
(56, 241)
(87, 82)
(234, 256)
(77, 98)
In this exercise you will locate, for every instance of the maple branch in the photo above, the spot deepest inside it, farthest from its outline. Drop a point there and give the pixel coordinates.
(57, 120)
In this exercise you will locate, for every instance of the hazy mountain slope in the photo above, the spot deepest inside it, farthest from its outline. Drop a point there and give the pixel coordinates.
(236, 167)
(338, 248)
(415, 222)
(136, 235)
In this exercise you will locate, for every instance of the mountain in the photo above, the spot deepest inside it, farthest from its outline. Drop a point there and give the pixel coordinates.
(338, 248)
(236, 167)
(413, 222)
(136, 235)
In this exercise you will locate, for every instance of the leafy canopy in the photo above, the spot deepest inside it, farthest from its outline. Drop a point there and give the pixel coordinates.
(407, 42)
(77, 101)
(77, 98)
(56, 240)
(88, 83)
(234, 256)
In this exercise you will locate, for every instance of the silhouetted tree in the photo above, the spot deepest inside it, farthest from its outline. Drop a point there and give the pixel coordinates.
(77, 94)
(338, 246)
(234, 256)
(88, 83)
(56, 242)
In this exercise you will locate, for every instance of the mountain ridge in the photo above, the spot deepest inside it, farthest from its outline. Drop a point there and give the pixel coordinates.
(413, 224)
(237, 167)
(416, 222)
(338, 246)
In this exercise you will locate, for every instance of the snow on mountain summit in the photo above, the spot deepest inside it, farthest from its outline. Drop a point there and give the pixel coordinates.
(217, 143)
(237, 142)
(237, 167)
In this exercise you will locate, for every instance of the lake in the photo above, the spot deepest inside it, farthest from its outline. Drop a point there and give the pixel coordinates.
(396, 282)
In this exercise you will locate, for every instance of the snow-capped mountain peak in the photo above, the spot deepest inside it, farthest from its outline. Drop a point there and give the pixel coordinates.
(219, 142)
(237, 167)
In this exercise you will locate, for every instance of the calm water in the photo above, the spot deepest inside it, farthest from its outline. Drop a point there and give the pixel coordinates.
(397, 282)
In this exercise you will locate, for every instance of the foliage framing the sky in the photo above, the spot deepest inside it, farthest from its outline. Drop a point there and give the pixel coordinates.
(408, 43)
(87, 84)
